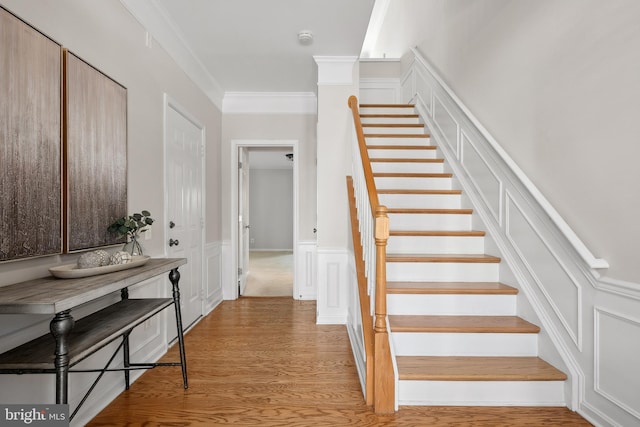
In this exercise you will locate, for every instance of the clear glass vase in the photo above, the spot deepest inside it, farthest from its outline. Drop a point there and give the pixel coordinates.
(133, 246)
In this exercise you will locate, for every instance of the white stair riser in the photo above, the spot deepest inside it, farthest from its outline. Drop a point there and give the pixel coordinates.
(402, 222)
(417, 142)
(435, 245)
(451, 304)
(387, 153)
(463, 344)
(390, 130)
(441, 272)
(381, 120)
(404, 167)
(482, 393)
(386, 110)
(396, 183)
(425, 201)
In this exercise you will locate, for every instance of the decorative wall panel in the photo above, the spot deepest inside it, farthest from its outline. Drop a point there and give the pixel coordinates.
(446, 123)
(30, 141)
(96, 148)
(483, 177)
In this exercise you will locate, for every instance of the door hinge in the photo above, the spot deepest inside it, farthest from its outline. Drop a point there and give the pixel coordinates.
(239, 165)
(239, 271)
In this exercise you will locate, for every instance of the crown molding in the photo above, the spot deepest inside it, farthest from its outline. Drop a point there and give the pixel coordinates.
(270, 103)
(161, 27)
(335, 70)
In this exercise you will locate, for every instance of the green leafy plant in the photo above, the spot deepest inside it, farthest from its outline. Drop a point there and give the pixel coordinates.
(131, 225)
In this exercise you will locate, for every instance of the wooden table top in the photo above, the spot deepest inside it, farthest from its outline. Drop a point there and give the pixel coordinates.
(50, 295)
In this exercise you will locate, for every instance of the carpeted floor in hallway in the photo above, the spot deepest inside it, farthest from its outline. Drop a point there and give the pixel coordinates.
(270, 274)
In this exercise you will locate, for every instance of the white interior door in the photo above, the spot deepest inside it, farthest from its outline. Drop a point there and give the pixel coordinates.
(244, 224)
(184, 156)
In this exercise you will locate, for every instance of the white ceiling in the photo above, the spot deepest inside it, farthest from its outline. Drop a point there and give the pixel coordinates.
(252, 45)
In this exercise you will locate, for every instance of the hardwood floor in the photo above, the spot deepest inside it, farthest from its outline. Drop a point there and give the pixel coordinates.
(264, 362)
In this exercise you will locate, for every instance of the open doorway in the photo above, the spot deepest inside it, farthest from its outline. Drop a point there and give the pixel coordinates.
(270, 200)
(265, 202)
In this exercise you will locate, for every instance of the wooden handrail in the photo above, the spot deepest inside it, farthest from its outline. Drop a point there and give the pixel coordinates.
(362, 145)
(383, 376)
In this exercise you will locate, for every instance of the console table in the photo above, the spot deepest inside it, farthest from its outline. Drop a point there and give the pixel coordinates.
(72, 340)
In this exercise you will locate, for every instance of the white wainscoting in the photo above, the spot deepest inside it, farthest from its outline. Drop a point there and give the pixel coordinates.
(590, 322)
(229, 277)
(212, 285)
(306, 271)
(333, 286)
(354, 325)
(380, 91)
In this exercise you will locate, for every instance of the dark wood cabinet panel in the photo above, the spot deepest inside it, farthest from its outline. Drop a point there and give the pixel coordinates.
(30, 141)
(96, 154)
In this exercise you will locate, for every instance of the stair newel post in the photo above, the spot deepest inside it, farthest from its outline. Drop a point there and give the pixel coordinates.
(383, 369)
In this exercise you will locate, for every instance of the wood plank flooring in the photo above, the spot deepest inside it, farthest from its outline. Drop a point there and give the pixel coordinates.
(264, 362)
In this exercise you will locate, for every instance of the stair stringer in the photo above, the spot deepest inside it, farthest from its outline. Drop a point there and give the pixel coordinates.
(513, 266)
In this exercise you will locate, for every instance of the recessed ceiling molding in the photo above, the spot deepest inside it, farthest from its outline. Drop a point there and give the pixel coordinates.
(270, 103)
(335, 70)
(160, 25)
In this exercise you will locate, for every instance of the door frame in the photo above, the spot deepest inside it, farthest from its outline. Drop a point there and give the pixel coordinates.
(232, 284)
(170, 102)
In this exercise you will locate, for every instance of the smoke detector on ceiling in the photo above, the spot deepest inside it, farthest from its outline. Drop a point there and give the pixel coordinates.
(305, 37)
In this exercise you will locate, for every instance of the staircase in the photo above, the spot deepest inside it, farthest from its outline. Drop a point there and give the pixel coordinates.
(454, 330)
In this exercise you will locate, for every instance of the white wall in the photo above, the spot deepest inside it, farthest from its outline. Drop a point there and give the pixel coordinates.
(108, 37)
(556, 83)
(271, 209)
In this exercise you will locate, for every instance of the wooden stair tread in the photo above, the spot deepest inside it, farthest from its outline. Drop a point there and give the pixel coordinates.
(462, 324)
(389, 116)
(411, 175)
(469, 368)
(462, 258)
(392, 125)
(434, 233)
(387, 105)
(418, 192)
(402, 147)
(395, 160)
(475, 288)
(397, 135)
(430, 211)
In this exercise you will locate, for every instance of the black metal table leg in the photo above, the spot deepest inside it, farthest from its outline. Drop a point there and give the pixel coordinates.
(124, 293)
(61, 327)
(174, 277)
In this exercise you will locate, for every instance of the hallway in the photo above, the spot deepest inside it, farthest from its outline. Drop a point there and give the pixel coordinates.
(264, 362)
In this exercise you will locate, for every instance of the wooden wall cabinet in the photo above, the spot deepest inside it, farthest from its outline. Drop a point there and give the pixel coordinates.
(30, 141)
